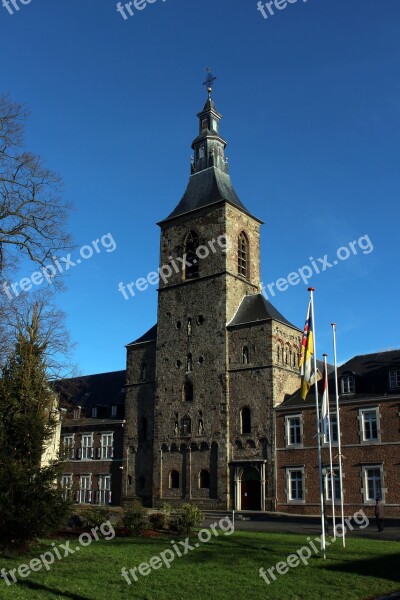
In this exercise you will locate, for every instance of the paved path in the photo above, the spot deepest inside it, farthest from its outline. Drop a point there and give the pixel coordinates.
(251, 521)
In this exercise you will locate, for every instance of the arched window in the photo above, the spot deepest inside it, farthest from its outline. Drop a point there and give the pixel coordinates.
(204, 479)
(174, 480)
(245, 420)
(243, 255)
(143, 372)
(189, 363)
(191, 260)
(278, 353)
(188, 392)
(186, 425)
(288, 352)
(245, 355)
(143, 429)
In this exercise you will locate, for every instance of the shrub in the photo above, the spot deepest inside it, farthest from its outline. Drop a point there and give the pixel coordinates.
(189, 516)
(96, 516)
(161, 519)
(135, 519)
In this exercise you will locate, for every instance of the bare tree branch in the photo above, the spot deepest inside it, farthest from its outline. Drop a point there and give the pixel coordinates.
(33, 214)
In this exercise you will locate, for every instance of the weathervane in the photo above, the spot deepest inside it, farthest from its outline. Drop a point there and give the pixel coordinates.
(209, 81)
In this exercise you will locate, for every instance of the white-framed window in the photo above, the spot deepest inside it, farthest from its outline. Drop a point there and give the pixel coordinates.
(372, 479)
(333, 430)
(114, 411)
(85, 489)
(369, 423)
(336, 484)
(87, 446)
(394, 379)
(68, 446)
(348, 384)
(94, 412)
(77, 412)
(107, 445)
(104, 493)
(294, 430)
(295, 484)
(66, 484)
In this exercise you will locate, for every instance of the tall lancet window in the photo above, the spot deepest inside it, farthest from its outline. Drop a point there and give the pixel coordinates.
(191, 259)
(243, 255)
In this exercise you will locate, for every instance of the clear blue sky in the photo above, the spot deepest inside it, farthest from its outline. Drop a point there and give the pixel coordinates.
(311, 105)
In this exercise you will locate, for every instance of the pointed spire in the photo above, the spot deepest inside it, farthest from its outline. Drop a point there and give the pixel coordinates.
(208, 146)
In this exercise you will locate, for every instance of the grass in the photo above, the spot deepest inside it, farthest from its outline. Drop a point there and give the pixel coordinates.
(226, 567)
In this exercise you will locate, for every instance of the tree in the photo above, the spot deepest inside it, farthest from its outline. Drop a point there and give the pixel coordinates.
(31, 503)
(32, 213)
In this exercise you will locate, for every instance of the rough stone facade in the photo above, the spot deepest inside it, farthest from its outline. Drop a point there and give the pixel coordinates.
(209, 358)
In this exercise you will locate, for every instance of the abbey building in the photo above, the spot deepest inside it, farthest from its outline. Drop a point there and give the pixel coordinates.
(207, 410)
(202, 383)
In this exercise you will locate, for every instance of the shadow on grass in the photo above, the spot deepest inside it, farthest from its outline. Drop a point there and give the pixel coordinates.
(45, 588)
(382, 567)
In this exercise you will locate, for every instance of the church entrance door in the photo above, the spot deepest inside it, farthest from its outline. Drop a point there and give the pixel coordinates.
(251, 489)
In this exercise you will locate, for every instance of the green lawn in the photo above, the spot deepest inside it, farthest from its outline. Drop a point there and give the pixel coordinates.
(224, 568)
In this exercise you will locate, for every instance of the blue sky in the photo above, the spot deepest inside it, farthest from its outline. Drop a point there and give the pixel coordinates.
(310, 99)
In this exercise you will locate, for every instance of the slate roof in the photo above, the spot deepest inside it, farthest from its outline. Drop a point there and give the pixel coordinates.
(149, 336)
(206, 188)
(371, 373)
(103, 389)
(256, 308)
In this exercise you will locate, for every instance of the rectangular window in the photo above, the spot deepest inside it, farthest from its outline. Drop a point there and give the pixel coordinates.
(68, 446)
(107, 449)
(85, 489)
(294, 430)
(104, 493)
(372, 483)
(369, 425)
(333, 430)
(113, 411)
(295, 486)
(336, 485)
(348, 384)
(94, 413)
(394, 379)
(87, 446)
(66, 484)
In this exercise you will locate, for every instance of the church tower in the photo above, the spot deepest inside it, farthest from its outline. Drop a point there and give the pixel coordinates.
(201, 385)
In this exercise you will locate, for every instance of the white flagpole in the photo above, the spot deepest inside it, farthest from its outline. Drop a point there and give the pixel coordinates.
(328, 414)
(339, 435)
(321, 484)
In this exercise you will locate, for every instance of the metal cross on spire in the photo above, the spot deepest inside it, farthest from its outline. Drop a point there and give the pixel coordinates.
(209, 80)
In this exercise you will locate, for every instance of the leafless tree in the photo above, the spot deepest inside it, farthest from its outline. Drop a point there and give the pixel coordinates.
(39, 312)
(32, 212)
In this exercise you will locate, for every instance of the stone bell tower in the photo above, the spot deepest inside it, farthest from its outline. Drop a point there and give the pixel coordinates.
(207, 235)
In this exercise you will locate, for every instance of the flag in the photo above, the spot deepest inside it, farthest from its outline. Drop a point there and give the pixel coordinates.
(307, 351)
(325, 407)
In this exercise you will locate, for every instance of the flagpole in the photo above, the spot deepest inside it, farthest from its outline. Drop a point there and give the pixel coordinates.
(328, 414)
(321, 485)
(339, 435)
